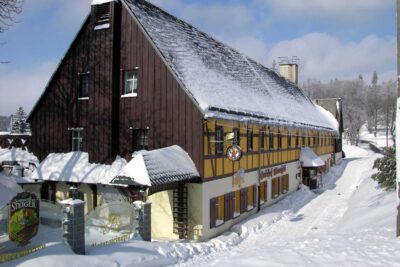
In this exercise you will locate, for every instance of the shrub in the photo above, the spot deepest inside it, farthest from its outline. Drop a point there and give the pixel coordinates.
(386, 166)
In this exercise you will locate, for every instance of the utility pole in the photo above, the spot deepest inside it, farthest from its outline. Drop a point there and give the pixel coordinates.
(398, 123)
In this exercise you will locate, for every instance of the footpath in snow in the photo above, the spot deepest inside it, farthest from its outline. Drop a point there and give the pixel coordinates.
(349, 222)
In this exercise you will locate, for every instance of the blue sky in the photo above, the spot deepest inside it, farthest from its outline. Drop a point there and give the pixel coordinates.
(332, 38)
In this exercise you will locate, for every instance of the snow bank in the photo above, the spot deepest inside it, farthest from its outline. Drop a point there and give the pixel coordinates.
(8, 189)
(75, 167)
(17, 154)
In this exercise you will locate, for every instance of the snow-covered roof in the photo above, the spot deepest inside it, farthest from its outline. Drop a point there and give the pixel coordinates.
(23, 157)
(74, 167)
(167, 165)
(223, 82)
(134, 173)
(309, 159)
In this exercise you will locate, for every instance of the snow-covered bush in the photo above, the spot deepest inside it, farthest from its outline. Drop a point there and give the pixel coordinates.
(386, 166)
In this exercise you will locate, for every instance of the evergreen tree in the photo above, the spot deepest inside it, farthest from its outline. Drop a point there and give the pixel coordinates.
(386, 166)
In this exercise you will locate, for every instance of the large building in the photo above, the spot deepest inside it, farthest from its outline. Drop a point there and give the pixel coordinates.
(137, 78)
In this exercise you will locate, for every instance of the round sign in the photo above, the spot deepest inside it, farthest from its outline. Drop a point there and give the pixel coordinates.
(234, 152)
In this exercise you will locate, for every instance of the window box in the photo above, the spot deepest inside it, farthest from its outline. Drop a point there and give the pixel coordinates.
(83, 98)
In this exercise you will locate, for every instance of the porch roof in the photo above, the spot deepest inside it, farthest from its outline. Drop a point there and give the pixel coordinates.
(309, 159)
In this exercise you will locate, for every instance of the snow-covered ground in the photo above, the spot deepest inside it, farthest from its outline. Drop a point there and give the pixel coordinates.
(379, 140)
(349, 222)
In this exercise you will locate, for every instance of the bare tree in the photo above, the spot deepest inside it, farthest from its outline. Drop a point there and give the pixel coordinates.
(8, 10)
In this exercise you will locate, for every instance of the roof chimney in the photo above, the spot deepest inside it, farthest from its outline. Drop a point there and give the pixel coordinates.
(288, 68)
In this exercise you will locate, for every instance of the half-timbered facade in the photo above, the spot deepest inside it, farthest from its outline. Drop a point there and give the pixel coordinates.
(137, 78)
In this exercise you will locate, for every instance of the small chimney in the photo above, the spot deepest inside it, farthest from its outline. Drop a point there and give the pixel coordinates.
(289, 68)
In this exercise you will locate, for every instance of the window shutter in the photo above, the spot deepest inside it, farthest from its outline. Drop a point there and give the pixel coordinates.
(232, 200)
(212, 212)
(255, 193)
(227, 207)
(242, 200)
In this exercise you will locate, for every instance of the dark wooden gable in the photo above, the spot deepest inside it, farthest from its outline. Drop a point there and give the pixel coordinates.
(161, 105)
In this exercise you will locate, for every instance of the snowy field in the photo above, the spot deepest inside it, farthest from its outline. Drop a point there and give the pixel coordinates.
(379, 140)
(349, 222)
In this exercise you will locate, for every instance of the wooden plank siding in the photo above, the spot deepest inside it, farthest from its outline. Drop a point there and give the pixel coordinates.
(161, 105)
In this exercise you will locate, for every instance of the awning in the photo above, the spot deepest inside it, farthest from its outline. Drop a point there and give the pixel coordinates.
(133, 173)
(309, 159)
(158, 167)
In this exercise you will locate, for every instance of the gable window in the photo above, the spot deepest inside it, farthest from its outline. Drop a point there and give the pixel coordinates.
(249, 140)
(131, 83)
(262, 140)
(83, 86)
(102, 17)
(76, 139)
(140, 139)
(219, 140)
(236, 138)
(271, 139)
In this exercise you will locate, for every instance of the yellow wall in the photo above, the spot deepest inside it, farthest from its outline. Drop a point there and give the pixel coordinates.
(195, 208)
(221, 166)
(162, 225)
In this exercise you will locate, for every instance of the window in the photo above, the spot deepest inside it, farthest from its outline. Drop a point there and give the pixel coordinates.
(279, 139)
(297, 139)
(285, 184)
(262, 140)
(275, 188)
(219, 140)
(236, 138)
(289, 140)
(131, 82)
(249, 140)
(271, 139)
(83, 86)
(250, 195)
(303, 139)
(140, 139)
(76, 139)
(263, 191)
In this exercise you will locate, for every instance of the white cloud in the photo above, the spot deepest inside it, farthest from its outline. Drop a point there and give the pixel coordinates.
(251, 47)
(334, 8)
(23, 88)
(324, 57)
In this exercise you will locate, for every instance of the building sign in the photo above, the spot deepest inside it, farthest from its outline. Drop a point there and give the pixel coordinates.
(234, 152)
(238, 178)
(270, 172)
(23, 220)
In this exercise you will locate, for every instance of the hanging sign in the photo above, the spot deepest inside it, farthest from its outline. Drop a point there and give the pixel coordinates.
(234, 152)
(23, 220)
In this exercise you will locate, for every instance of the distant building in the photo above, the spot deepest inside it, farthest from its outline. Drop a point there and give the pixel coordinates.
(137, 78)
